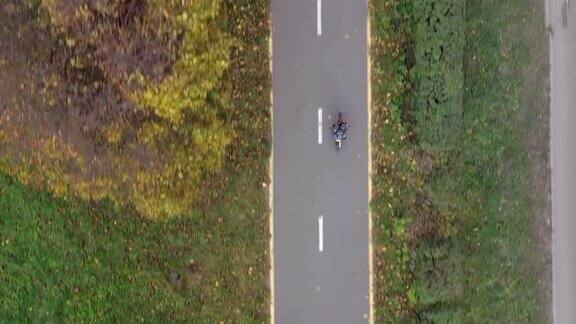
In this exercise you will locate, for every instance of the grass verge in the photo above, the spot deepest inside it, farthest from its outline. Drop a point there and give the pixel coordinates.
(461, 234)
(76, 261)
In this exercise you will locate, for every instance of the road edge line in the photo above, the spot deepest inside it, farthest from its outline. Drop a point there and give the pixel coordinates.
(271, 176)
(369, 107)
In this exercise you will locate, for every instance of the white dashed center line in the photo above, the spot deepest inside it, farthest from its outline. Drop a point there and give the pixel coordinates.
(319, 17)
(321, 233)
(319, 125)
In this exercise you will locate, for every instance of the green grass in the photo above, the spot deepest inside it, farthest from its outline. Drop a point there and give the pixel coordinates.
(74, 261)
(457, 236)
(69, 260)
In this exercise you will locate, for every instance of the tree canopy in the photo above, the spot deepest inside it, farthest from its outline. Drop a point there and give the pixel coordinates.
(118, 99)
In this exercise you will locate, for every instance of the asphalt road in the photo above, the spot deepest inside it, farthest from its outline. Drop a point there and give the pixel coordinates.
(321, 270)
(563, 158)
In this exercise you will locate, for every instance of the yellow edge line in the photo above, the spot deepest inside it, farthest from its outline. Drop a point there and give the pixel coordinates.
(370, 247)
(271, 175)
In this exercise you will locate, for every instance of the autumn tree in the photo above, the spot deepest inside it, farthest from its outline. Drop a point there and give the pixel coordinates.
(117, 99)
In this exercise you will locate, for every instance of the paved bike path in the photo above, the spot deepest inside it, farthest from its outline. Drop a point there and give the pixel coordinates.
(563, 158)
(321, 274)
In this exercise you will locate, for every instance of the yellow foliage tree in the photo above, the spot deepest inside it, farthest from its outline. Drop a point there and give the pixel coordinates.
(137, 97)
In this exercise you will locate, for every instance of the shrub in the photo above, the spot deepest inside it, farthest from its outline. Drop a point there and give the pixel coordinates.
(466, 184)
(438, 49)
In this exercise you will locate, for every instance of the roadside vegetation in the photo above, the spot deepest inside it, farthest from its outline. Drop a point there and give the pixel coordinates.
(130, 114)
(460, 165)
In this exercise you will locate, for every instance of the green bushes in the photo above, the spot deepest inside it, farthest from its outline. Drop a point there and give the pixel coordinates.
(438, 51)
(396, 180)
(454, 191)
(439, 282)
